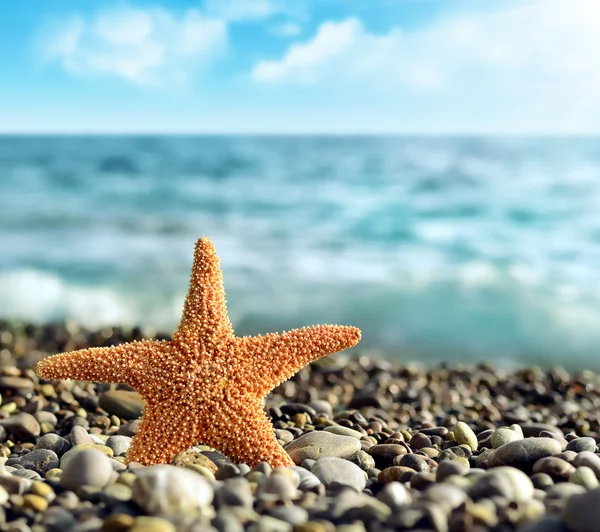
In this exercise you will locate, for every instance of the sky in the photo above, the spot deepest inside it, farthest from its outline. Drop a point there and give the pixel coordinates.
(300, 66)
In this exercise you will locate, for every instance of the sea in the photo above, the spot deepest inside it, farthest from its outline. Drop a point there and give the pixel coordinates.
(441, 249)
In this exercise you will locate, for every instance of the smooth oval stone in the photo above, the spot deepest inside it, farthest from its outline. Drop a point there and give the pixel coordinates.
(87, 467)
(80, 436)
(584, 476)
(589, 459)
(419, 440)
(446, 495)
(166, 489)
(294, 515)
(503, 435)
(336, 472)
(582, 444)
(318, 444)
(53, 442)
(234, 492)
(522, 454)
(396, 474)
(322, 407)
(463, 434)
(17, 384)
(23, 426)
(279, 488)
(292, 409)
(385, 453)
(447, 468)
(532, 430)
(555, 467)
(308, 481)
(395, 494)
(119, 444)
(414, 461)
(505, 481)
(122, 403)
(40, 460)
(343, 431)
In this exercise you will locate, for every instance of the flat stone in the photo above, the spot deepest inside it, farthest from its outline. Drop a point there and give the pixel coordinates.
(122, 403)
(522, 454)
(318, 444)
(86, 467)
(336, 472)
(23, 426)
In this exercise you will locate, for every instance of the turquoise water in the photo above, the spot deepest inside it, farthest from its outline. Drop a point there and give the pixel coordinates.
(438, 248)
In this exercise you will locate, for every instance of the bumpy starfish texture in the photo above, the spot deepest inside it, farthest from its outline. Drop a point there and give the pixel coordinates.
(205, 384)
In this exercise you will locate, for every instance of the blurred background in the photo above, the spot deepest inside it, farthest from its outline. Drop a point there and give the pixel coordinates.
(428, 171)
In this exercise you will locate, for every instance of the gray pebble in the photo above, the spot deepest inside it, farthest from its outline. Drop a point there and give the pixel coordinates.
(308, 481)
(294, 515)
(363, 460)
(343, 431)
(53, 442)
(582, 444)
(336, 472)
(234, 492)
(524, 453)
(266, 523)
(317, 444)
(589, 459)
(86, 467)
(24, 426)
(555, 467)
(503, 481)
(278, 487)
(40, 460)
(80, 436)
(122, 403)
(119, 444)
(322, 407)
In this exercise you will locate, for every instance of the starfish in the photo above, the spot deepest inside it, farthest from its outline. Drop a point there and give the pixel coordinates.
(205, 384)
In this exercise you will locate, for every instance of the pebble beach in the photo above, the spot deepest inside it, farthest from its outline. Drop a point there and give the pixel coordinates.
(377, 445)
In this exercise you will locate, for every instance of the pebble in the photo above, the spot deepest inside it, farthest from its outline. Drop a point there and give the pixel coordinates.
(503, 435)
(589, 459)
(40, 460)
(53, 442)
(151, 524)
(119, 444)
(234, 492)
(86, 467)
(584, 476)
(395, 495)
(582, 512)
(122, 403)
(504, 481)
(166, 489)
(24, 426)
(80, 436)
(582, 444)
(336, 472)
(558, 469)
(317, 444)
(463, 434)
(522, 454)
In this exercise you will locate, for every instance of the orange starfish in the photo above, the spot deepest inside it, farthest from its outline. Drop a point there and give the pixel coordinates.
(205, 384)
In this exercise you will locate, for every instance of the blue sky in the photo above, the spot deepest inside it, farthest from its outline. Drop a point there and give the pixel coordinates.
(300, 66)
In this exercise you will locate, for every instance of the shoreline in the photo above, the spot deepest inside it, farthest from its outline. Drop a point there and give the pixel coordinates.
(377, 446)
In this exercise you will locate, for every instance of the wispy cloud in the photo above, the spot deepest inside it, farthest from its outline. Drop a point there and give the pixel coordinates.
(245, 10)
(534, 60)
(150, 47)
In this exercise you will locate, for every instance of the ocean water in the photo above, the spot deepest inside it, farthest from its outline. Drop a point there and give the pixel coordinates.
(458, 249)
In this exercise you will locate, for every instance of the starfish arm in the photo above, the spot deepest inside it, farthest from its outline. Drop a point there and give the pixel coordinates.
(272, 359)
(116, 364)
(205, 309)
(241, 430)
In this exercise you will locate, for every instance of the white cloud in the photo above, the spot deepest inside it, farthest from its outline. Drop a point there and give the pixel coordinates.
(535, 65)
(143, 46)
(247, 10)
